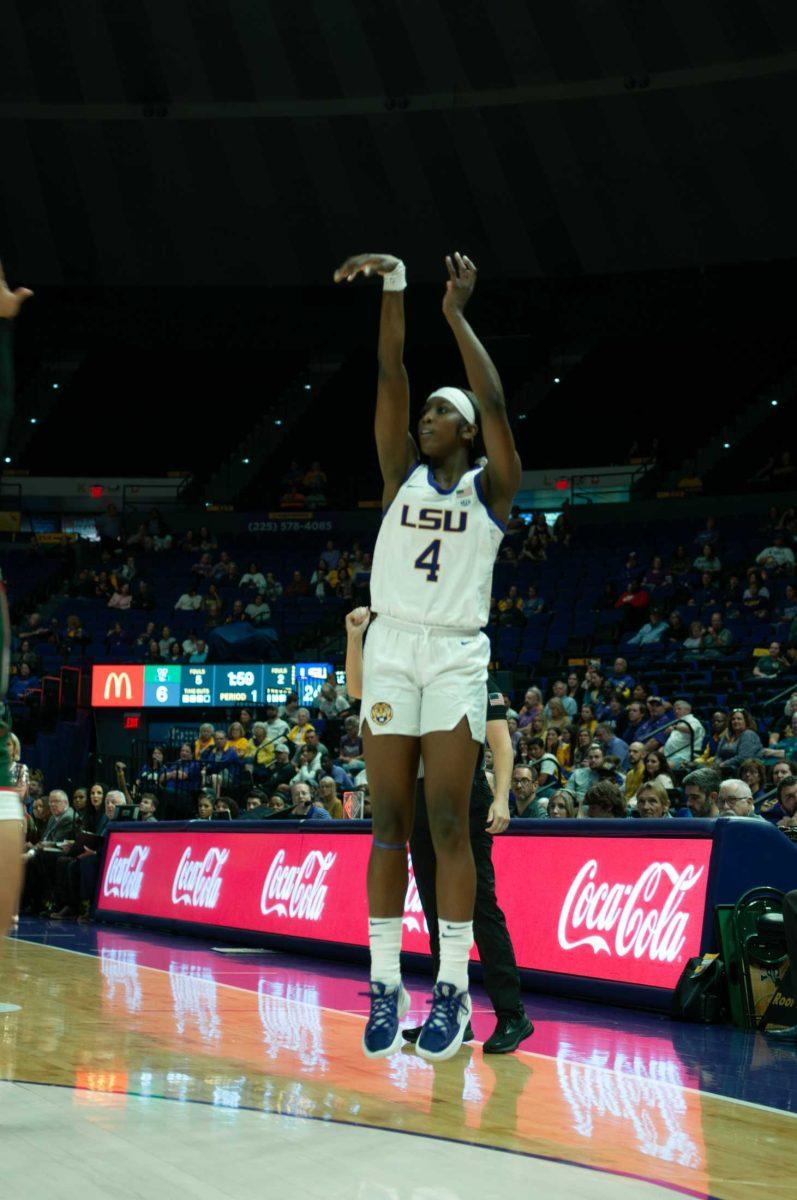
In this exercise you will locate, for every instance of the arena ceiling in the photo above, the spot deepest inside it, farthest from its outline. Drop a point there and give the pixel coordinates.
(233, 141)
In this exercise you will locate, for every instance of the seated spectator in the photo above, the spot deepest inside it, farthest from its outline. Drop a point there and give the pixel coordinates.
(532, 550)
(559, 692)
(788, 609)
(636, 770)
(204, 740)
(694, 643)
(706, 594)
(204, 807)
(253, 578)
(701, 790)
(545, 765)
(719, 726)
(533, 604)
(305, 806)
(561, 806)
(736, 800)
(298, 733)
(330, 555)
(330, 704)
(717, 640)
(651, 730)
(636, 719)
(656, 579)
(652, 801)
(633, 600)
(200, 653)
(582, 747)
(587, 719)
(754, 774)
(656, 769)
(652, 632)
(362, 577)
(258, 611)
(176, 653)
(598, 767)
(350, 750)
(236, 613)
(308, 769)
(783, 742)
(143, 599)
(605, 800)
(298, 586)
(783, 812)
(710, 536)
(680, 563)
(121, 598)
(755, 599)
(557, 719)
(740, 741)
(777, 558)
(165, 642)
(190, 601)
(771, 664)
(318, 580)
(153, 654)
(184, 774)
(685, 740)
(707, 562)
(204, 567)
(207, 540)
(23, 682)
(343, 780)
(619, 679)
(222, 760)
(523, 800)
(328, 795)
(510, 608)
(237, 739)
(532, 706)
(611, 744)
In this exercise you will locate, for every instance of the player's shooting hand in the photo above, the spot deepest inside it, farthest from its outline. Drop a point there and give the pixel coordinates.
(498, 816)
(461, 282)
(365, 264)
(11, 302)
(357, 621)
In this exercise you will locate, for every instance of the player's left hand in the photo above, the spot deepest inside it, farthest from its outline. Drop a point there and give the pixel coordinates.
(461, 282)
(11, 302)
(498, 816)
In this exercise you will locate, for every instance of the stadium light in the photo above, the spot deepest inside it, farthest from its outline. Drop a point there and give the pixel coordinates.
(33, 420)
(774, 403)
(7, 458)
(308, 387)
(56, 387)
(726, 445)
(245, 462)
(556, 379)
(278, 422)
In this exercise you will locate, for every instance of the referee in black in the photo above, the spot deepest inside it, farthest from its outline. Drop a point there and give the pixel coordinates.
(489, 815)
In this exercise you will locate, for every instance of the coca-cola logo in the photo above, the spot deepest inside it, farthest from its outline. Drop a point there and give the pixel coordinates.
(124, 875)
(198, 883)
(297, 891)
(642, 918)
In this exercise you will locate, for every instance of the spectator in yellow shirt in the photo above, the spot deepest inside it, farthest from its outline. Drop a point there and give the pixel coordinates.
(260, 750)
(636, 770)
(298, 733)
(204, 741)
(236, 739)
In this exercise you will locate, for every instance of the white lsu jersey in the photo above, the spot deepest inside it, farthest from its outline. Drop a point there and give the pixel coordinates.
(434, 556)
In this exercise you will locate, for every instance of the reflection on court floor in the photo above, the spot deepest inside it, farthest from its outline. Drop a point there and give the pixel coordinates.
(627, 1095)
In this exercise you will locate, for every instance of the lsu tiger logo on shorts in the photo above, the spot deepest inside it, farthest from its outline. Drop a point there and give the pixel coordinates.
(381, 713)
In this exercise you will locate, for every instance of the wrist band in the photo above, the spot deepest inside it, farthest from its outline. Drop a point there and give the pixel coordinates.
(395, 280)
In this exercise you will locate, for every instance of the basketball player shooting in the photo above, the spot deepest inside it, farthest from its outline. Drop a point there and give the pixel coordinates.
(425, 659)
(10, 807)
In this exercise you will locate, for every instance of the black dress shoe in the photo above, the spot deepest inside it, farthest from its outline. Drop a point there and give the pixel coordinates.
(412, 1035)
(783, 1035)
(508, 1034)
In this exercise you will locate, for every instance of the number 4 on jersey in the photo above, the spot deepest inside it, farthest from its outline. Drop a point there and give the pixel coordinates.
(429, 561)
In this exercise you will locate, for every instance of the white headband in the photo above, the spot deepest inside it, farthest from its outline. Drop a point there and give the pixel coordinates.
(462, 403)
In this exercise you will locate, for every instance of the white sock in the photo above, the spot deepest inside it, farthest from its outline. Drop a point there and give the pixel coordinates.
(456, 939)
(384, 938)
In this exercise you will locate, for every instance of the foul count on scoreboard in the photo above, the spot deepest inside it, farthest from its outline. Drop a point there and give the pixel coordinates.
(204, 685)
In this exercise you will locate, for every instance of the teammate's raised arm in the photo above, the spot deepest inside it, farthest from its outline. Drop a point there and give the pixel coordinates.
(501, 476)
(395, 447)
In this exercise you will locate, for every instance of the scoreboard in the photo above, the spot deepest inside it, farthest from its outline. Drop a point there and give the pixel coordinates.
(205, 685)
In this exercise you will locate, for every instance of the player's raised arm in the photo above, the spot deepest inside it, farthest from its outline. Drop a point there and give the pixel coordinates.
(501, 476)
(395, 447)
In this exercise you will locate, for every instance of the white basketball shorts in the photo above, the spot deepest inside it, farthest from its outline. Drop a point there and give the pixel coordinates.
(421, 679)
(10, 806)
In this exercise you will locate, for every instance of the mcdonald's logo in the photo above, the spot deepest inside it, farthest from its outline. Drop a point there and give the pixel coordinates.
(117, 686)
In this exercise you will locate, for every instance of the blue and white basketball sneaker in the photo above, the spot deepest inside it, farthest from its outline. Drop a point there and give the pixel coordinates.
(382, 1035)
(445, 1026)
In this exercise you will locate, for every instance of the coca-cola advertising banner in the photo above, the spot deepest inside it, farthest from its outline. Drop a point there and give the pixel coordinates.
(612, 908)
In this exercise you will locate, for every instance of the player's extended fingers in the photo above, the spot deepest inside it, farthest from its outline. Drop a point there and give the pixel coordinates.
(452, 275)
(469, 263)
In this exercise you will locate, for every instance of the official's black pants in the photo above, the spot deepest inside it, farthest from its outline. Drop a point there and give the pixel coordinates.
(790, 926)
(490, 933)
